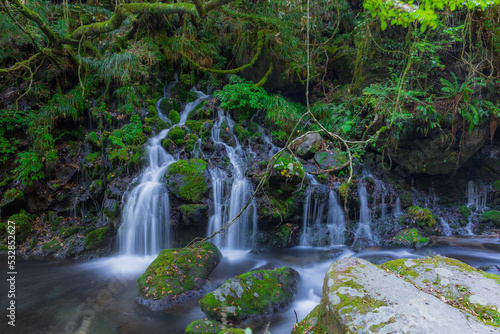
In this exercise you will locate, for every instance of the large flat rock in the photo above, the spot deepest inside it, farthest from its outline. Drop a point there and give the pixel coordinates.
(360, 297)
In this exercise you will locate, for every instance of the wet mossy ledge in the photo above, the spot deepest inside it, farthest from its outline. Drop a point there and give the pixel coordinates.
(176, 275)
(426, 295)
(252, 294)
(186, 180)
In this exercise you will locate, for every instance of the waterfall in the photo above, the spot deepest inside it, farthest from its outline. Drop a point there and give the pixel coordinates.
(398, 211)
(364, 228)
(476, 197)
(241, 235)
(145, 225)
(446, 227)
(313, 215)
(336, 220)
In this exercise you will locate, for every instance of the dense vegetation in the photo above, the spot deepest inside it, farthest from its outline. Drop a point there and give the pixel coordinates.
(79, 80)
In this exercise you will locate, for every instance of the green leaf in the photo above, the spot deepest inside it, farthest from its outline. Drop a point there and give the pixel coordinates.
(383, 25)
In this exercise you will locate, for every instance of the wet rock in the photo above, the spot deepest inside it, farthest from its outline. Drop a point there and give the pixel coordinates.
(177, 274)
(360, 297)
(309, 145)
(433, 156)
(286, 173)
(13, 201)
(193, 213)
(111, 208)
(186, 180)
(329, 159)
(283, 236)
(252, 294)
(363, 243)
(52, 246)
(205, 327)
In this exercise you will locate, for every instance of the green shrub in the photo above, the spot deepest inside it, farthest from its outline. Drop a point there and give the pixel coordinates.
(464, 211)
(29, 168)
(492, 216)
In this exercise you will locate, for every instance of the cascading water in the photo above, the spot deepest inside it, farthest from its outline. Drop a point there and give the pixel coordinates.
(445, 226)
(146, 215)
(364, 229)
(398, 211)
(314, 208)
(336, 220)
(237, 236)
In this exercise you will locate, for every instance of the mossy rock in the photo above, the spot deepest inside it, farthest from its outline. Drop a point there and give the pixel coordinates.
(193, 213)
(464, 211)
(176, 133)
(177, 274)
(205, 326)
(24, 224)
(417, 216)
(52, 246)
(97, 238)
(330, 159)
(492, 216)
(168, 104)
(174, 116)
(252, 294)
(286, 173)
(360, 297)
(186, 180)
(410, 238)
(111, 208)
(13, 201)
(458, 284)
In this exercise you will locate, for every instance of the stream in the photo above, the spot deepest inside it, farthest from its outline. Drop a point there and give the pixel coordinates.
(98, 296)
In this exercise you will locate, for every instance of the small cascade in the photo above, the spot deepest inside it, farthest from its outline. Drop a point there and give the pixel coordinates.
(242, 233)
(146, 211)
(216, 220)
(398, 211)
(272, 149)
(314, 208)
(166, 95)
(476, 197)
(445, 226)
(336, 220)
(364, 228)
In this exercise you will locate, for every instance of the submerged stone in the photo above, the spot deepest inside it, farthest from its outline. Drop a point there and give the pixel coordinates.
(252, 294)
(360, 297)
(177, 274)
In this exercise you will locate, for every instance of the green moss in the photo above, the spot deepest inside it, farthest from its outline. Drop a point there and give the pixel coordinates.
(241, 133)
(322, 178)
(176, 133)
(412, 237)
(68, 231)
(492, 216)
(52, 246)
(24, 223)
(421, 217)
(464, 211)
(205, 327)
(251, 294)
(186, 180)
(174, 116)
(11, 195)
(178, 270)
(96, 239)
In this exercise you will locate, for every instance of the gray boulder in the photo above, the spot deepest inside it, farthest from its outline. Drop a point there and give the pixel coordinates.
(309, 145)
(360, 297)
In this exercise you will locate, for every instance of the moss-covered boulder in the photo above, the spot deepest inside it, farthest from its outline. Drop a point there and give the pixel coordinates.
(252, 294)
(52, 246)
(24, 223)
(417, 216)
(186, 180)
(492, 216)
(177, 274)
(330, 159)
(286, 173)
(205, 326)
(307, 146)
(97, 239)
(409, 238)
(360, 297)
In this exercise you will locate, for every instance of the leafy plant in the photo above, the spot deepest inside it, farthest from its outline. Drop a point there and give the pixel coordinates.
(29, 168)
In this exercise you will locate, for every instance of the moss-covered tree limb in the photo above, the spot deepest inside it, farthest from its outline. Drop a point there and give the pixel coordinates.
(20, 64)
(265, 77)
(31, 15)
(260, 46)
(121, 13)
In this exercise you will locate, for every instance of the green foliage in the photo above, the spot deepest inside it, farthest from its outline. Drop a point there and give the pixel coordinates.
(243, 96)
(12, 194)
(426, 12)
(29, 168)
(411, 237)
(492, 216)
(130, 134)
(289, 166)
